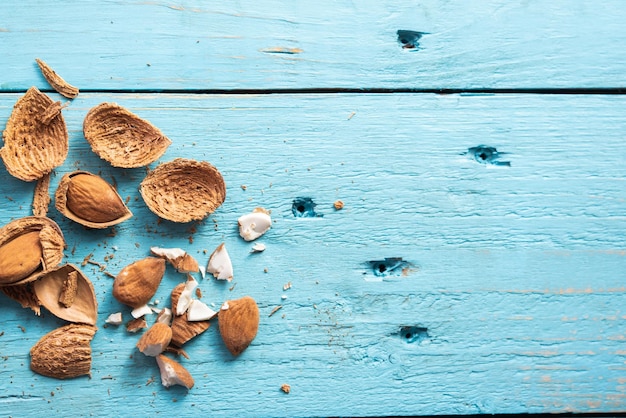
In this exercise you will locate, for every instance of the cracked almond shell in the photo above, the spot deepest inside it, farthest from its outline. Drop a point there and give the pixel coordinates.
(63, 353)
(35, 137)
(29, 248)
(122, 138)
(89, 200)
(183, 190)
(49, 289)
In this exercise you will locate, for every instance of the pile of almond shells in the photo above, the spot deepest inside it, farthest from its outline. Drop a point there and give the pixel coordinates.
(31, 247)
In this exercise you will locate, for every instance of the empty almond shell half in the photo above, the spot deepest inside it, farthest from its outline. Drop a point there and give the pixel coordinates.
(89, 200)
(35, 137)
(29, 248)
(122, 138)
(183, 190)
(68, 294)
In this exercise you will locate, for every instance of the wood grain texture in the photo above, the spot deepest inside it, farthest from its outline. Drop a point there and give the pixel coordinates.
(251, 44)
(513, 300)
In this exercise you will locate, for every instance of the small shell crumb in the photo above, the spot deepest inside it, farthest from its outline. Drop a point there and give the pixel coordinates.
(114, 319)
(338, 205)
(285, 388)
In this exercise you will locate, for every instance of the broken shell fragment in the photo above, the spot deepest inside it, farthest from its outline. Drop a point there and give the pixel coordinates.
(137, 324)
(34, 142)
(24, 295)
(165, 316)
(56, 81)
(183, 190)
(182, 261)
(182, 295)
(114, 319)
(220, 265)
(255, 224)
(258, 248)
(63, 353)
(239, 324)
(68, 282)
(155, 339)
(199, 311)
(122, 138)
(89, 200)
(141, 311)
(29, 247)
(138, 282)
(172, 373)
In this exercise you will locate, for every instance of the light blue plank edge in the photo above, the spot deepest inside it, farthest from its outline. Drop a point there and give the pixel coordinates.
(190, 44)
(516, 287)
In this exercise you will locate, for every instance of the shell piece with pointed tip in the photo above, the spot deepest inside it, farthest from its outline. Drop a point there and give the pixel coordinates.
(122, 138)
(64, 353)
(29, 248)
(220, 265)
(173, 373)
(35, 141)
(84, 307)
(89, 200)
(183, 190)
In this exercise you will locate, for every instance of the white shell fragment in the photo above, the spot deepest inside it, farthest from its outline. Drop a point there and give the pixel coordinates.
(199, 311)
(255, 224)
(114, 319)
(220, 265)
(165, 316)
(141, 311)
(225, 306)
(186, 296)
(258, 248)
(202, 271)
(182, 261)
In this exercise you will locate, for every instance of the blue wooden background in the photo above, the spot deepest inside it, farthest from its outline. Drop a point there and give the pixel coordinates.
(511, 295)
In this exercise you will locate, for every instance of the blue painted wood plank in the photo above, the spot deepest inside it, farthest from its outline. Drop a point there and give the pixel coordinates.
(512, 300)
(189, 44)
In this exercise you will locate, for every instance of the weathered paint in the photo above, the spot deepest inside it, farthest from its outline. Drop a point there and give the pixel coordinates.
(513, 301)
(195, 44)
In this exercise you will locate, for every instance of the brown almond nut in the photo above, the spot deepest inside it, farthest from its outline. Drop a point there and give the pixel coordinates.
(61, 86)
(238, 322)
(89, 200)
(139, 281)
(183, 190)
(155, 339)
(29, 247)
(122, 138)
(66, 281)
(20, 257)
(63, 353)
(172, 373)
(35, 139)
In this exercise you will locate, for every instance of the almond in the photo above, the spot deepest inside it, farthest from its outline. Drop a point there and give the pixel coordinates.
(138, 282)
(29, 247)
(20, 257)
(89, 200)
(63, 353)
(238, 323)
(155, 340)
(172, 373)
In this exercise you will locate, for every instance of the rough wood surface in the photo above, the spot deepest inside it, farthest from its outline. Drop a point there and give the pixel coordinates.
(251, 44)
(511, 299)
